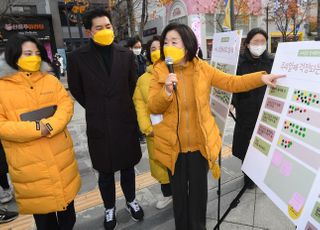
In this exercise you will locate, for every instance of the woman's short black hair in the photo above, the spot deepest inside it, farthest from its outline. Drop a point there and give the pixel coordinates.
(254, 32)
(189, 39)
(13, 49)
(92, 14)
(132, 41)
(148, 47)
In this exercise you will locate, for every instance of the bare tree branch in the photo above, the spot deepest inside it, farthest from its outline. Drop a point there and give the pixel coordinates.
(289, 12)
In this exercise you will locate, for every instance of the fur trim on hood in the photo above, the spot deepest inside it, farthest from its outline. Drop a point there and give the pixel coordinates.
(6, 70)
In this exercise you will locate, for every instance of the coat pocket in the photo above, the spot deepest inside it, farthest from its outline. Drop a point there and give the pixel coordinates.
(95, 127)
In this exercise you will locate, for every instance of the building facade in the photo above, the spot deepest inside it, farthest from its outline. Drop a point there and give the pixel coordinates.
(205, 17)
(30, 17)
(57, 22)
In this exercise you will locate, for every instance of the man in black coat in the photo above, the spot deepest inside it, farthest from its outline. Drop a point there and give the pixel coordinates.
(102, 78)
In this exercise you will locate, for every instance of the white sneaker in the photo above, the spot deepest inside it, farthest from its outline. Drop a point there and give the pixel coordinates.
(6, 196)
(162, 203)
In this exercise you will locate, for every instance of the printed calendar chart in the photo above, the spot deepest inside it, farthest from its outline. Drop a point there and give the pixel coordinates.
(283, 158)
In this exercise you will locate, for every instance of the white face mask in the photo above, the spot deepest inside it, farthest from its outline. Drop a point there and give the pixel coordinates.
(257, 50)
(136, 51)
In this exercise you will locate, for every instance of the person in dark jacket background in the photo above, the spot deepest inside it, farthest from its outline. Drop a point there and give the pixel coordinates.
(56, 66)
(255, 58)
(102, 78)
(135, 44)
(6, 194)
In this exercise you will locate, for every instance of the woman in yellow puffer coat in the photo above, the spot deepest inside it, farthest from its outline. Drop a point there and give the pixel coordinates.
(39, 151)
(140, 99)
(187, 141)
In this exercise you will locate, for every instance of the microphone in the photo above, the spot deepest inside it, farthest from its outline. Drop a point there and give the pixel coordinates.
(169, 63)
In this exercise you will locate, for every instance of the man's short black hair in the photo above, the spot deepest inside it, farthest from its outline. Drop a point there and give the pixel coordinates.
(13, 49)
(148, 47)
(92, 14)
(132, 41)
(189, 39)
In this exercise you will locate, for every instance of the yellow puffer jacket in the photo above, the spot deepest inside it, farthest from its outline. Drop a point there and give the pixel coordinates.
(166, 147)
(140, 100)
(43, 170)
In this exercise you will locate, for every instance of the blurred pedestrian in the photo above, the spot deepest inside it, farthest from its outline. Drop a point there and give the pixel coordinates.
(6, 194)
(135, 44)
(55, 64)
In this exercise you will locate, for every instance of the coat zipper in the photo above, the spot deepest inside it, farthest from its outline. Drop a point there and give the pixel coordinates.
(31, 87)
(187, 109)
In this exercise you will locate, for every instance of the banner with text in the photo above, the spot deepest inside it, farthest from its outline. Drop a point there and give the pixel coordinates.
(225, 55)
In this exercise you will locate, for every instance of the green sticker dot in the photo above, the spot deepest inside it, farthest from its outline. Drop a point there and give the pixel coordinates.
(296, 132)
(291, 130)
(303, 135)
(299, 133)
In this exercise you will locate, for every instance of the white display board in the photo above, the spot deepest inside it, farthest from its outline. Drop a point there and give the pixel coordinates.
(225, 55)
(283, 158)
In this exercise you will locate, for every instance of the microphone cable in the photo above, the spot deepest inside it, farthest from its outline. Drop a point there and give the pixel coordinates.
(178, 120)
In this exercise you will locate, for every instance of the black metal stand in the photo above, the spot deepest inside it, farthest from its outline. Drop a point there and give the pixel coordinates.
(236, 201)
(233, 204)
(219, 190)
(233, 116)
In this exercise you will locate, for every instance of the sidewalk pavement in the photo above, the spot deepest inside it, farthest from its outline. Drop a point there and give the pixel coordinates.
(255, 211)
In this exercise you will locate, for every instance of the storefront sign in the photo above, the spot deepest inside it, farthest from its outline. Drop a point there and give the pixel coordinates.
(150, 31)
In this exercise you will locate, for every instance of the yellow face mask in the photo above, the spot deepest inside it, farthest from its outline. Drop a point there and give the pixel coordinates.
(177, 54)
(30, 63)
(103, 37)
(155, 56)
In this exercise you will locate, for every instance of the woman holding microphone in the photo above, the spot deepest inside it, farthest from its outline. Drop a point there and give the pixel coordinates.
(187, 140)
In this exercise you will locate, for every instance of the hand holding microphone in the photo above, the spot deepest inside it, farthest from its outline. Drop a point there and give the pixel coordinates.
(171, 82)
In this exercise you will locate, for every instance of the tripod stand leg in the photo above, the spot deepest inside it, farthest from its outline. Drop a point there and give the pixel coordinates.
(233, 204)
(219, 191)
(219, 201)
